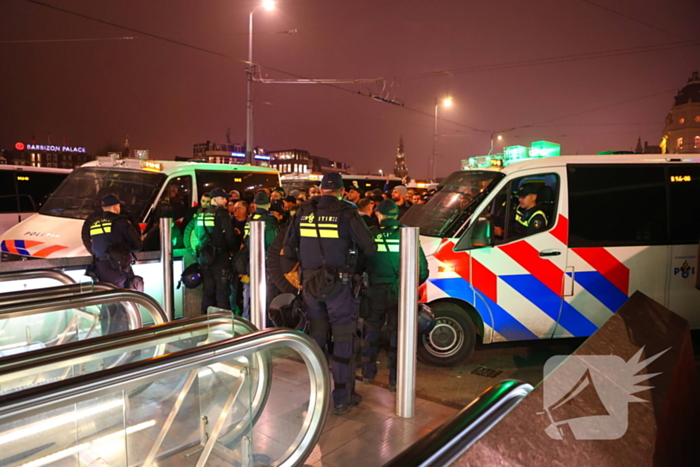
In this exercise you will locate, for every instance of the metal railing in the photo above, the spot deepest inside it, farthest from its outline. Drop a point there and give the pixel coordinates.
(58, 276)
(67, 393)
(88, 299)
(450, 440)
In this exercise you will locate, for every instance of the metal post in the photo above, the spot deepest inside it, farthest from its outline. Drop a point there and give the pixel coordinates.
(258, 285)
(166, 261)
(249, 157)
(408, 323)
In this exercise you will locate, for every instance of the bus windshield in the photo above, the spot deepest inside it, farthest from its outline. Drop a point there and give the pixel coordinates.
(80, 194)
(457, 197)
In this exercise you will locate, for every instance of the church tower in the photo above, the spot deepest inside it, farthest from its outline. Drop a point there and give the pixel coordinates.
(400, 169)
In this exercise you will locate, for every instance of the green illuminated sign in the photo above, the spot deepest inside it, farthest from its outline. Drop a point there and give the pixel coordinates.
(544, 149)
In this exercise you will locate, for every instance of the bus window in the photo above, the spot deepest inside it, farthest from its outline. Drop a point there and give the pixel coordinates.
(8, 196)
(238, 180)
(38, 186)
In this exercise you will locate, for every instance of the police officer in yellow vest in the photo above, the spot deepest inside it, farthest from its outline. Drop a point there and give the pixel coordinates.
(326, 236)
(112, 239)
(215, 242)
(529, 219)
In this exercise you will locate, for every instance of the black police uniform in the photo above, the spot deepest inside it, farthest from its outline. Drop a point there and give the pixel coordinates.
(104, 231)
(341, 231)
(382, 296)
(214, 226)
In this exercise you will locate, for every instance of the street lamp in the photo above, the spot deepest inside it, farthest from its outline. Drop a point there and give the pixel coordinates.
(499, 138)
(249, 156)
(447, 102)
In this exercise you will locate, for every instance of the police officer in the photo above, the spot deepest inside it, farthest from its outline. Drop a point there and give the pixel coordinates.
(215, 242)
(111, 240)
(529, 219)
(382, 290)
(261, 204)
(326, 236)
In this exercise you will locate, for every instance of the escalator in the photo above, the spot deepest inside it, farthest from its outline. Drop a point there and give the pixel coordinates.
(210, 398)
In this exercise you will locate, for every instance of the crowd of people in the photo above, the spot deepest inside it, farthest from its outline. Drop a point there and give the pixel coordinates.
(345, 243)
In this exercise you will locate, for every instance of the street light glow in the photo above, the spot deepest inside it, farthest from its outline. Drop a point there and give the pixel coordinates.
(500, 138)
(268, 4)
(447, 102)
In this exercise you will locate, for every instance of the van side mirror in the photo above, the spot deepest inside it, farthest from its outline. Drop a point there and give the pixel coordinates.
(478, 235)
(481, 234)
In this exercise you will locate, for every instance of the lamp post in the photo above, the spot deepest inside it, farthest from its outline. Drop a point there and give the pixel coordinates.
(249, 156)
(499, 138)
(447, 102)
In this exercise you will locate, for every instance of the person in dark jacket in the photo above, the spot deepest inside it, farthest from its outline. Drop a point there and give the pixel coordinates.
(215, 242)
(111, 238)
(382, 290)
(326, 236)
(365, 207)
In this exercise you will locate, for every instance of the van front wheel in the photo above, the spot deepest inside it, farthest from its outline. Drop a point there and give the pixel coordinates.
(452, 339)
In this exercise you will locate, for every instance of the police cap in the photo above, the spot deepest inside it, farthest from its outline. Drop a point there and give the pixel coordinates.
(528, 188)
(388, 208)
(216, 192)
(110, 200)
(262, 198)
(332, 181)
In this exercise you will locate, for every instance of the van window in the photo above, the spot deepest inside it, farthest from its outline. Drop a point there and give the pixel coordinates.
(241, 180)
(175, 199)
(684, 192)
(80, 194)
(503, 210)
(8, 196)
(617, 205)
(37, 187)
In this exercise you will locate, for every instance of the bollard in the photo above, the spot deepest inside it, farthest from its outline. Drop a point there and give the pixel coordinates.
(258, 285)
(166, 261)
(408, 323)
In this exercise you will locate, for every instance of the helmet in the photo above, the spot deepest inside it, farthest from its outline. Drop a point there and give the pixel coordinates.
(191, 276)
(426, 319)
(286, 311)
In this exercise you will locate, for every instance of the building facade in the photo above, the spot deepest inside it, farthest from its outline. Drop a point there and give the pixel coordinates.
(299, 161)
(47, 155)
(226, 153)
(682, 130)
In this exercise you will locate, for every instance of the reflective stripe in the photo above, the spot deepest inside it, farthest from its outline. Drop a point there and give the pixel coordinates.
(321, 225)
(519, 218)
(101, 227)
(206, 220)
(392, 248)
(324, 233)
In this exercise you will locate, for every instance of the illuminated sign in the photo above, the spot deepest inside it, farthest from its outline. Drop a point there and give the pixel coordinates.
(22, 178)
(238, 154)
(41, 147)
(153, 166)
(681, 178)
(544, 149)
(262, 157)
(514, 153)
(141, 154)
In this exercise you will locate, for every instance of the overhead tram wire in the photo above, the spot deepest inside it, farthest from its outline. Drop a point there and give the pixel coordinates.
(96, 39)
(554, 60)
(228, 57)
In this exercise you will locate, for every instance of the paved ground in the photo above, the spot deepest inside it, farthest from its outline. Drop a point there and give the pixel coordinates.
(458, 386)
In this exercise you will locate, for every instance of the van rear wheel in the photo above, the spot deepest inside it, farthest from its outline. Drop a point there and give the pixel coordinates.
(452, 339)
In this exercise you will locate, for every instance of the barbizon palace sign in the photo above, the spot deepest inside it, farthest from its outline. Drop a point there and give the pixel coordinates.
(42, 147)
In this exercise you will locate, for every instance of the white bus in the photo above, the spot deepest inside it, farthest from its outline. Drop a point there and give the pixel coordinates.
(146, 188)
(363, 182)
(23, 190)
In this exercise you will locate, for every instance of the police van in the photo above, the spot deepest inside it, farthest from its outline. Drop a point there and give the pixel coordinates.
(146, 187)
(615, 224)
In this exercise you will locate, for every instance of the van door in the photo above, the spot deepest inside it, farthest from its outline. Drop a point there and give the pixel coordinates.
(521, 277)
(684, 228)
(618, 236)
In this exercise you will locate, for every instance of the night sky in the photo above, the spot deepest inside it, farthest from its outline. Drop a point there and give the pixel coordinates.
(507, 64)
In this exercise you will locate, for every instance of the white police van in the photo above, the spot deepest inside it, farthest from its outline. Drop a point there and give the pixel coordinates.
(143, 186)
(616, 224)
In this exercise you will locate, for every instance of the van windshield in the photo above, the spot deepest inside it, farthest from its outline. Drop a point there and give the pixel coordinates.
(79, 195)
(457, 197)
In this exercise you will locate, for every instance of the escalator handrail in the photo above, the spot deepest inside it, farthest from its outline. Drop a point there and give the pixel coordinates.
(37, 274)
(77, 349)
(89, 299)
(42, 399)
(450, 440)
(25, 296)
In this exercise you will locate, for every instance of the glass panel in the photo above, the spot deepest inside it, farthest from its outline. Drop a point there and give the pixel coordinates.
(122, 350)
(684, 183)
